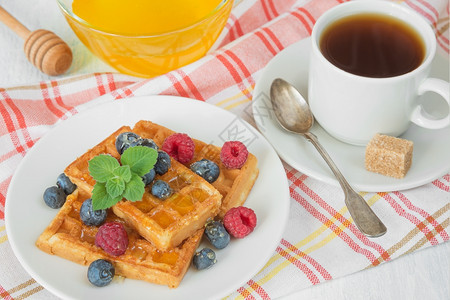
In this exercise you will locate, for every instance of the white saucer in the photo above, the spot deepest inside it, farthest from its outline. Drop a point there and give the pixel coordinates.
(431, 156)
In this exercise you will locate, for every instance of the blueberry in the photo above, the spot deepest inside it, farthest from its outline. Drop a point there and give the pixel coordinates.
(91, 217)
(148, 178)
(161, 189)
(54, 197)
(148, 143)
(204, 259)
(101, 272)
(207, 169)
(134, 143)
(162, 163)
(64, 182)
(217, 234)
(126, 140)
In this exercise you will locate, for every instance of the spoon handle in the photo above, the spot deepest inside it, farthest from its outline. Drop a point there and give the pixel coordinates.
(363, 216)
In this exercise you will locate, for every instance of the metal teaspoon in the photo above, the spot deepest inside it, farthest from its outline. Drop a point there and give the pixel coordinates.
(294, 115)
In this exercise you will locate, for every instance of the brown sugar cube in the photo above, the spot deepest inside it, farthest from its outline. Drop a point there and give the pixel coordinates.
(389, 155)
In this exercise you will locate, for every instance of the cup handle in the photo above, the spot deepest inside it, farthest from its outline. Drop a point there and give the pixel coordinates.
(419, 117)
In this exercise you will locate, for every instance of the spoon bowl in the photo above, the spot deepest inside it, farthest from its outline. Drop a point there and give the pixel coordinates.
(290, 108)
(294, 115)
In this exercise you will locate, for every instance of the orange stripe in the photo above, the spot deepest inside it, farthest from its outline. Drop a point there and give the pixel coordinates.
(422, 212)
(245, 293)
(258, 289)
(391, 251)
(29, 293)
(4, 294)
(401, 212)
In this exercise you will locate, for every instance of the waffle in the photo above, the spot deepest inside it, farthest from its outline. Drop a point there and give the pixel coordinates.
(233, 184)
(67, 237)
(165, 223)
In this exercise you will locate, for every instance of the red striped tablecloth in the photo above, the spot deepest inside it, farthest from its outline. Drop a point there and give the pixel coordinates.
(320, 242)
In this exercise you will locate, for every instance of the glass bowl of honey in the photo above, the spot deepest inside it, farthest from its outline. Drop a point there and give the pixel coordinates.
(146, 38)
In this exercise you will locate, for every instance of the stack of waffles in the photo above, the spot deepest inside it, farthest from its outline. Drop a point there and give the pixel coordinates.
(163, 234)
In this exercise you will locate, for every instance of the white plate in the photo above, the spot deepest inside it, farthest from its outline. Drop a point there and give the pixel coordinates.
(431, 157)
(27, 215)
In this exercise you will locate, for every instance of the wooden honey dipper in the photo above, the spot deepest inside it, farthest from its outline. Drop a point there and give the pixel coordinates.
(44, 49)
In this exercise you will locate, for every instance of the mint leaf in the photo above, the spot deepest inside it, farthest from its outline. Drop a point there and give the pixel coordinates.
(102, 167)
(115, 187)
(114, 182)
(123, 172)
(101, 199)
(140, 159)
(134, 189)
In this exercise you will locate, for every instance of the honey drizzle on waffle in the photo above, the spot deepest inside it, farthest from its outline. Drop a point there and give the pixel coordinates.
(68, 237)
(165, 223)
(233, 184)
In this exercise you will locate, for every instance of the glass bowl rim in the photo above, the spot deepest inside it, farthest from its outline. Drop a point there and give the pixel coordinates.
(68, 12)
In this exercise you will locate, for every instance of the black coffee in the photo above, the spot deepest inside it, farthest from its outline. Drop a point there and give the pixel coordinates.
(372, 45)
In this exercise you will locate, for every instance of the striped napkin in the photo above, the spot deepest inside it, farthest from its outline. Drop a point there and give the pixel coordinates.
(319, 224)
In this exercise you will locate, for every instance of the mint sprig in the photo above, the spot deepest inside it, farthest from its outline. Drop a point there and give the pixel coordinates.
(115, 180)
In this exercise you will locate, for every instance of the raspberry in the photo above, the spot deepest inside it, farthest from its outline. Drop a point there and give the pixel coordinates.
(239, 221)
(180, 146)
(113, 238)
(233, 154)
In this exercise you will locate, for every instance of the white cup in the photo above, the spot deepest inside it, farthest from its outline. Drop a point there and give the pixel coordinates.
(354, 108)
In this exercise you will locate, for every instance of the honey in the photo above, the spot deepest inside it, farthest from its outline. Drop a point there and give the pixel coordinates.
(199, 194)
(87, 235)
(169, 257)
(138, 252)
(147, 38)
(146, 204)
(181, 203)
(175, 181)
(162, 218)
